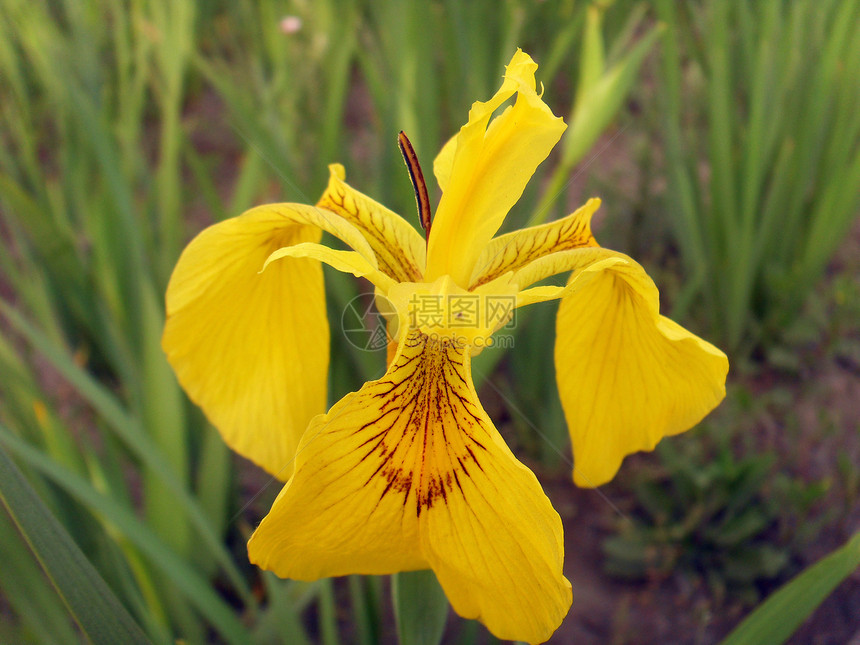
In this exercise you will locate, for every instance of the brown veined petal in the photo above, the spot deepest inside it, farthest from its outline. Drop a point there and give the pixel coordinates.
(627, 376)
(410, 473)
(489, 169)
(514, 250)
(250, 348)
(400, 250)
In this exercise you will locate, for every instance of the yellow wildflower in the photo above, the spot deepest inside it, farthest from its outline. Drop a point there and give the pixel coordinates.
(409, 472)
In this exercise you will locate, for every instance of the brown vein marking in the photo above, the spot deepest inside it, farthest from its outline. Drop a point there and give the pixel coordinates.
(398, 266)
(515, 250)
(429, 432)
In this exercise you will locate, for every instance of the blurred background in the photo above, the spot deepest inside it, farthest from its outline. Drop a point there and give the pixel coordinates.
(724, 139)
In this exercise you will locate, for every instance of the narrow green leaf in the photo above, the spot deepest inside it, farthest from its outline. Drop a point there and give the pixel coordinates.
(90, 601)
(596, 109)
(420, 607)
(37, 609)
(214, 479)
(327, 618)
(174, 568)
(163, 415)
(778, 617)
(280, 621)
(591, 58)
(363, 617)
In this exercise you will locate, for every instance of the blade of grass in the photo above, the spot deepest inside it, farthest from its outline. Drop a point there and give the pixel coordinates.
(778, 617)
(89, 600)
(41, 615)
(162, 413)
(176, 569)
(685, 206)
(366, 623)
(327, 618)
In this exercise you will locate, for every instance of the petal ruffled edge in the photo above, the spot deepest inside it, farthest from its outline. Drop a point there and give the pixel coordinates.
(489, 169)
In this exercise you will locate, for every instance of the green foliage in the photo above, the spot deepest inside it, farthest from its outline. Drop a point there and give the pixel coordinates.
(602, 85)
(776, 619)
(762, 143)
(95, 609)
(420, 607)
(728, 520)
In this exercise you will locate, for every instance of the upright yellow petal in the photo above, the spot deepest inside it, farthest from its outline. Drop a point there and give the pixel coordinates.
(252, 349)
(490, 167)
(410, 473)
(627, 376)
(444, 162)
(400, 250)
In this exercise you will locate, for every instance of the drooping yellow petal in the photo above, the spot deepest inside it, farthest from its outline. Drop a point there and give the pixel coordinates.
(400, 250)
(252, 349)
(489, 171)
(345, 261)
(514, 250)
(410, 473)
(344, 511)
(627, 376)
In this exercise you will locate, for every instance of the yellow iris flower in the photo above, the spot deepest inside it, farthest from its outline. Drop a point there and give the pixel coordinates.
(409, 472)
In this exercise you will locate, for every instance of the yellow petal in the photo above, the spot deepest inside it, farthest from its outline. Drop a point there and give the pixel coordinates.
(489, 171)
(586, 264)
(514, 250)
(627, 376)
(251, 350)
(443, 163)
(581, 261)
(400, 250)
(344, 511)
(326, 220)
(346, 261)
(409, 472)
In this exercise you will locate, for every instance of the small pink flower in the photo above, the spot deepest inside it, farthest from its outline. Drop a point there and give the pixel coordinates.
(290, 24)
